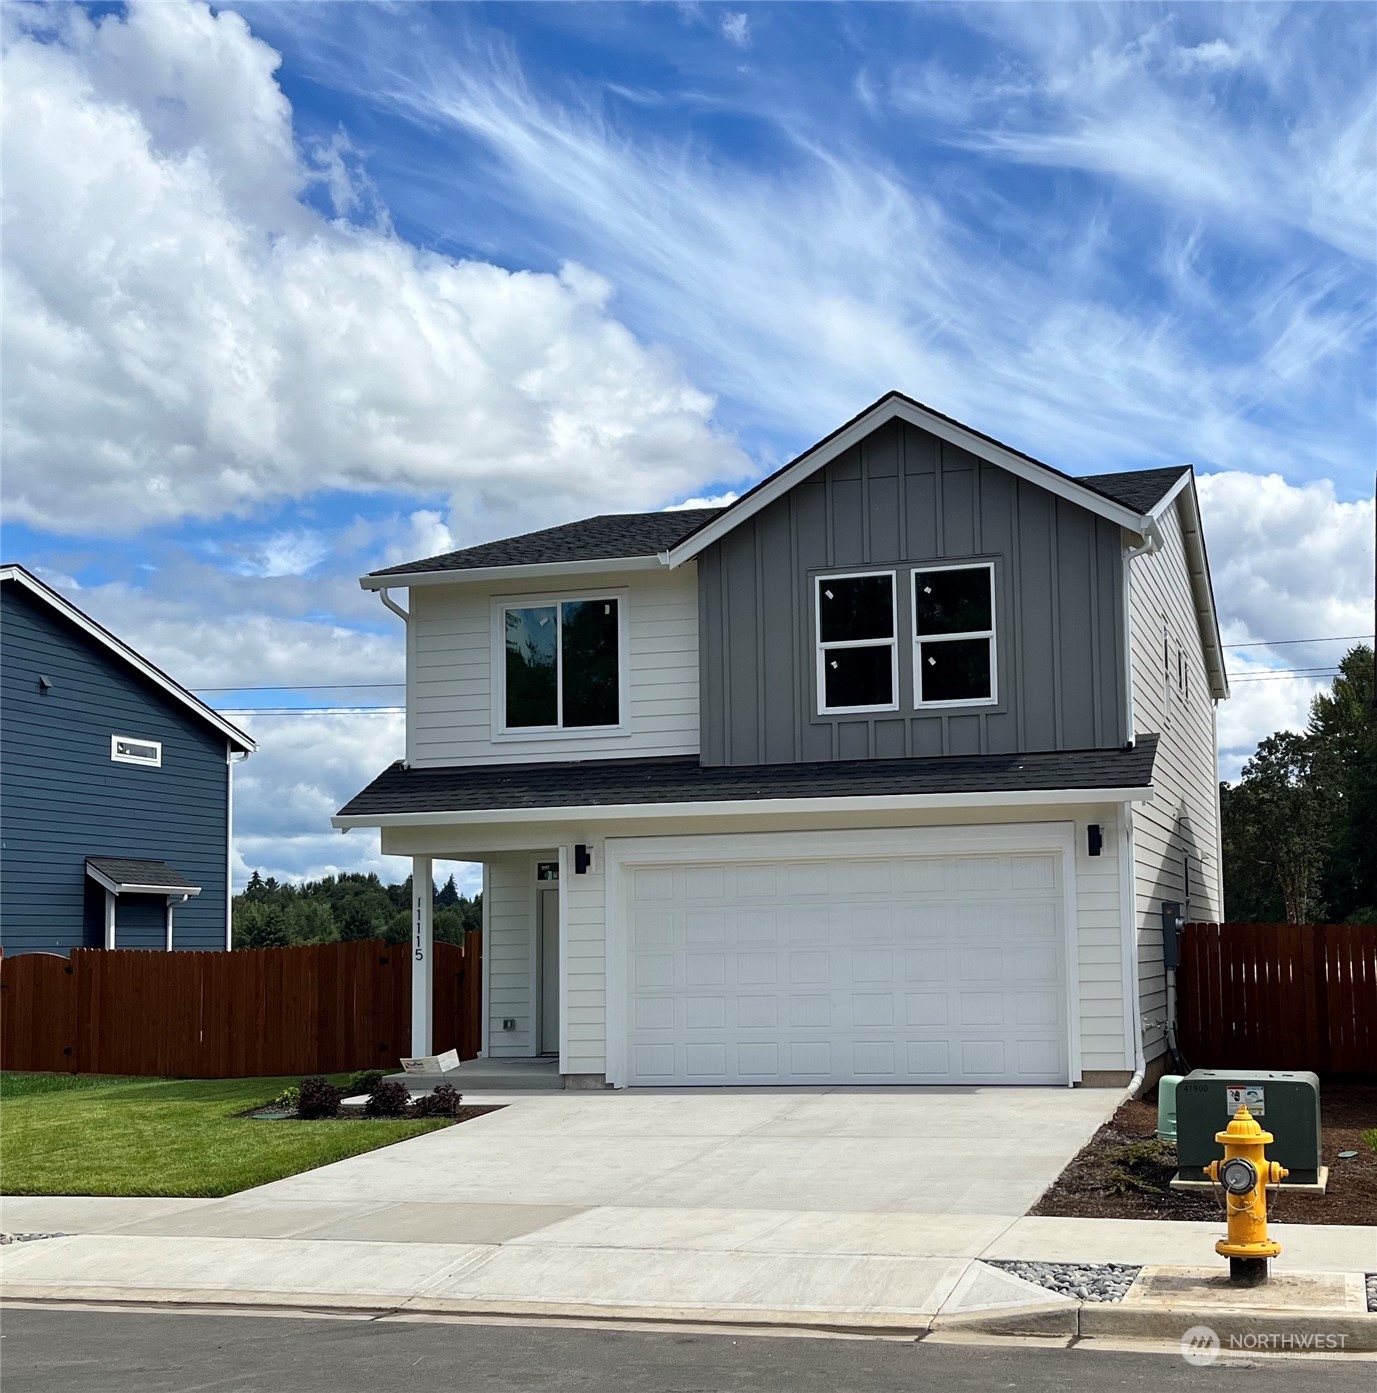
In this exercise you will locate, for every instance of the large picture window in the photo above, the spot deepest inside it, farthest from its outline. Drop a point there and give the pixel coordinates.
(858, 665)
(954, 636)
(562, 665)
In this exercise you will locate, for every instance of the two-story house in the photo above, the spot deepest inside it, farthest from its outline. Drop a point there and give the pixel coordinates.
(880, 775)
(116, 788)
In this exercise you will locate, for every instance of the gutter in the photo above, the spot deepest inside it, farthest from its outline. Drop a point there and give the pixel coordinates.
(744, 807)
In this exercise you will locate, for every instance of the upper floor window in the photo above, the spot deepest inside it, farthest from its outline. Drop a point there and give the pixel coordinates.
(954, 635)
(858, 664)
(125, 749)
(562, 665)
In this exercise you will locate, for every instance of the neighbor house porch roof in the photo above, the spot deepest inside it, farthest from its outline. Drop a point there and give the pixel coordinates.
(124, 875)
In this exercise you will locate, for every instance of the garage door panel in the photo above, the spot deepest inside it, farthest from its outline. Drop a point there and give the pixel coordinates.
(918, 970)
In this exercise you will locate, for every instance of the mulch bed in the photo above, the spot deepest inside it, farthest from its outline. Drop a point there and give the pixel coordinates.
(1124, 1172)
(262, 1114)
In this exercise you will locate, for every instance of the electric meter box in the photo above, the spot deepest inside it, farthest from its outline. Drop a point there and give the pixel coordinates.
(1285, 1104)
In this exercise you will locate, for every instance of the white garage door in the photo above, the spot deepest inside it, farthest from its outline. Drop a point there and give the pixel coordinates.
(903, 970)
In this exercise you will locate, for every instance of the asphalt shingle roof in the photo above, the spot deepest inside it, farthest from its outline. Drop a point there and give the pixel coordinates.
(608, 537)
(125, 870)
(682, 779)
(1139, 489)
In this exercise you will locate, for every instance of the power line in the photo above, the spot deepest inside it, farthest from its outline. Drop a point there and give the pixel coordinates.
(1280, 642)
(318, 687)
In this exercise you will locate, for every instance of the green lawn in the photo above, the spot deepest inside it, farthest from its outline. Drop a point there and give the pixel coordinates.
(66, 1134)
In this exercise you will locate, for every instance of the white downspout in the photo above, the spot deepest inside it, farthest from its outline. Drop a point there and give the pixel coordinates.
(232, 757)
(1133, 1005)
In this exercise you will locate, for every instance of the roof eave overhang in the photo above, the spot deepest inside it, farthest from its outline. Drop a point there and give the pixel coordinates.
(901, 408)
(140, 664)
(1184, 496)
(554, 570)
(749, 807)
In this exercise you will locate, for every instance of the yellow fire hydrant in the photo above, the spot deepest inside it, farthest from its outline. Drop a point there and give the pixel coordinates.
(1245, 1173)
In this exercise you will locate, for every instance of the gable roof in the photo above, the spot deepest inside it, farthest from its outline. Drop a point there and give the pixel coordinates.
(19, 576)
(1143, 490)
(895, 405)
(607, 537)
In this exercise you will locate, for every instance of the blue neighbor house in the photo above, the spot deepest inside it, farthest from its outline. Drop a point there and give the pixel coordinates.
(116, 788)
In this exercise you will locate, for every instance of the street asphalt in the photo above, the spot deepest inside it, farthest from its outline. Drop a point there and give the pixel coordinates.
(55, 1351)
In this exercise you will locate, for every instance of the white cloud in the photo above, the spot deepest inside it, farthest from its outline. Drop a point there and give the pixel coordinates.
(736, 28)
(183, 336)
(295, 552)
(717, 500)
(807, 286)
(1288, 562)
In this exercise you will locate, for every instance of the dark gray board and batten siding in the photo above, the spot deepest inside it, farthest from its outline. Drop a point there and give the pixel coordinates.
(62, 798)
(902, 498)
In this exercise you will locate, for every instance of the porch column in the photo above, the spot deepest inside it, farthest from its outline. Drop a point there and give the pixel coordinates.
(422, 954)
(109, 918)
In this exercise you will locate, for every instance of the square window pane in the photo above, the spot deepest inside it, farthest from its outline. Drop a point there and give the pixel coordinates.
(855, 607)
(858, 676)
(591, 691)
(953, 602)
(532, 684)
(955, 671)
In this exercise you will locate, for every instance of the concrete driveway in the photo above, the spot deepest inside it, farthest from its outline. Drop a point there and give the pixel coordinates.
(810, 1203)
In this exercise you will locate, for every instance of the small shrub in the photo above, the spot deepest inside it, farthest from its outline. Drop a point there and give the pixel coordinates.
(317, 1097)
(288, 1100)
(389, 1098)
(366, 1080)
(444, 1101)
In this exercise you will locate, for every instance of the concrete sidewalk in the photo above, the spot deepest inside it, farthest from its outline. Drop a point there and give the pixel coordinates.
(865, 1211)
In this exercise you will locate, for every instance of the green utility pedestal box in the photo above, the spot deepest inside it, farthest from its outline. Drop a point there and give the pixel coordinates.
(1285, 1104)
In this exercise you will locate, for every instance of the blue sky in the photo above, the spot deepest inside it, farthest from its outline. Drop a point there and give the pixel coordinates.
(295, 291)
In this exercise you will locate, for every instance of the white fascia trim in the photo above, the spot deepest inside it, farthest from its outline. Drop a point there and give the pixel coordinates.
(116, 888)
(915, 415)
(122, 650)
(1202, 588)
(551, 571)
(751, 807)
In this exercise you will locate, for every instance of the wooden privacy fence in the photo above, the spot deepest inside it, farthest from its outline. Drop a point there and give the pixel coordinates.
(317, 1009)
(1279, 996)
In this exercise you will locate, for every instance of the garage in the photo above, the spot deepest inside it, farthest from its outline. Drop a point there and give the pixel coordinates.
(837, 964)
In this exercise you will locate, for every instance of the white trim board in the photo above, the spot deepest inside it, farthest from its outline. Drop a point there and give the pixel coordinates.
(620, 852)
(749, 807)
(122, 650)
(887, 409)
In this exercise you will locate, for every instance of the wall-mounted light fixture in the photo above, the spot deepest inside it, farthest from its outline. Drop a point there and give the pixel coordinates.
(583, 858)
(1095, 839)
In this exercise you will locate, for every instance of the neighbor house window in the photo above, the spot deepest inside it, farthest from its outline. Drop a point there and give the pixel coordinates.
(562, 665)
(954, 635)
(858, 664)
(124, 749)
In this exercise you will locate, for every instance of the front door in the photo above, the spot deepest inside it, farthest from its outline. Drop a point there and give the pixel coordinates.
(549, 970)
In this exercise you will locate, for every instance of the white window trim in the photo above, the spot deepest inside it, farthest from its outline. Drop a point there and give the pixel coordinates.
(134, 759)
(821, 649)
(992, 634)
(500, 605)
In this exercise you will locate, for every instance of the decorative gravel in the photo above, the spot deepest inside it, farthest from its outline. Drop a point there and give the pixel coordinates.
(1372, 1291)
(27, 1237)
(1084, 1281)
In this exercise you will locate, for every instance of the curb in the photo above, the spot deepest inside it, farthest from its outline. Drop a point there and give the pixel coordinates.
(1250, 1331)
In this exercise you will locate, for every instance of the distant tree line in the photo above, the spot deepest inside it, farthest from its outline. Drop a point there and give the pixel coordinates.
(268, 914)
(1300, 825)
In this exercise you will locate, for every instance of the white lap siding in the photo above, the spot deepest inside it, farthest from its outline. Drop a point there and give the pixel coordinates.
(450, 678)
(510, 953)
(1180, 825)
(586, 966)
